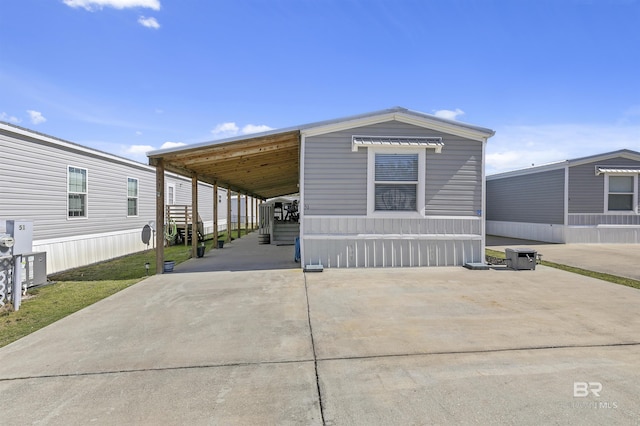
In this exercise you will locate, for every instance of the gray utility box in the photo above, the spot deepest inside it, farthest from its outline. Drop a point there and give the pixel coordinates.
(34, 269)
(521, 258)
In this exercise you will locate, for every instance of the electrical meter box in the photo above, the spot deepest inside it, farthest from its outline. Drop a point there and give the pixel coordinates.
(22, 233)
(34, 269)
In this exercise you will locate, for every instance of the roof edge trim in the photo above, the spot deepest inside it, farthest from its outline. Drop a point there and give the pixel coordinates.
(408, 117)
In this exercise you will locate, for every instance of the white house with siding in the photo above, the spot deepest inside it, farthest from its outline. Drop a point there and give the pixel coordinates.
(584, 200)
(86, 205)
(391, 188)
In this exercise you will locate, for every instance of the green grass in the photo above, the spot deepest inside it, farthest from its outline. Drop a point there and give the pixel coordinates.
(124, 268)
(593, 274)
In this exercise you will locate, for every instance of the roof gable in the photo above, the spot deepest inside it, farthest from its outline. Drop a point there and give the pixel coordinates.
(402, 115)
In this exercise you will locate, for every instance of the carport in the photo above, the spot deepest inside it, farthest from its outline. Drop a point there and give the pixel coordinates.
(260, 166)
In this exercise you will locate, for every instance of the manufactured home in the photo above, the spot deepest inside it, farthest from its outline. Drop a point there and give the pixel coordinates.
(389, 188)
(585, 200)
(87, 206)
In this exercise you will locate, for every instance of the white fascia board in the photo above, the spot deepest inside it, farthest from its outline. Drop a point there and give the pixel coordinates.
(606, 156)
(530, 170)
(436, 125)
(72, 146)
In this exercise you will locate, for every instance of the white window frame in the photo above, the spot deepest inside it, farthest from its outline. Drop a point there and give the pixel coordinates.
(371, 192)
(167, 200)
(634, 202)
(137, 197)
(85, 193)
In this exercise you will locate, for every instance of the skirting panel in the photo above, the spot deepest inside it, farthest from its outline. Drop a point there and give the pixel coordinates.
(390, 252)
(527, 231)
(86, 250)
(603, 234)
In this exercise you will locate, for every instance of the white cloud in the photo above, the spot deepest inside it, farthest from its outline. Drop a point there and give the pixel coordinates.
(117, 4)
(36, 117)
(168, 145)
(10, 118)
(516, 147)
(135, 150)
(448, 114)
(230, 129)
(225, 130)
(253, 128)
(149, 22)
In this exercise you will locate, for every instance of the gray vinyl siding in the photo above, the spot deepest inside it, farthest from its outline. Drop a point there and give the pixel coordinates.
(454, 178)
(531, 198)
(586, 189)
(34, 187)
(335, 177)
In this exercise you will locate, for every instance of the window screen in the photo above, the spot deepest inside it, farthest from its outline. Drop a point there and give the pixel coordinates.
(620, 193)
(77, 192)
(396, 182)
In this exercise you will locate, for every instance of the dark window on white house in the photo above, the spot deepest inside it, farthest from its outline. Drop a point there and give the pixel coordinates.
(76, 192)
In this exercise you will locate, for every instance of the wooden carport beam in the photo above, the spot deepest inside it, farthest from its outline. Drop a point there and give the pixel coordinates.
(159, 216)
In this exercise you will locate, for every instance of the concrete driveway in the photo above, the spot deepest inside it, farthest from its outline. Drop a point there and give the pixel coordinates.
(616, 259)
(341, 347)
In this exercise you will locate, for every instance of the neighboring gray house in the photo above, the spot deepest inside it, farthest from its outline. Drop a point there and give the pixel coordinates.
(585, 200)
(385, 189)
(86, 206)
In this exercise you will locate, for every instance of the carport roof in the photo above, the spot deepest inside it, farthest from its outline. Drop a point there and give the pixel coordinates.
(267, 164)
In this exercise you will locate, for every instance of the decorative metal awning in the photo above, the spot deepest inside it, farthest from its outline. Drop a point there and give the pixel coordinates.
(622, 170)
(397, 142)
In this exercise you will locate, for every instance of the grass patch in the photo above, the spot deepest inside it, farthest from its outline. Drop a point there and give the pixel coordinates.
(124, 268)
(629, 282)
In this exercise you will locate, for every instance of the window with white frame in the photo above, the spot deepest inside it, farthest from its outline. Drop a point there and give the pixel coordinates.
(76, 192)
(132, 197)
(396, 180)
(171, 194)
(621, 193)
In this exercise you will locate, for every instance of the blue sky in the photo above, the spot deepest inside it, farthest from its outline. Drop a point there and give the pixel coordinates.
(556, 79)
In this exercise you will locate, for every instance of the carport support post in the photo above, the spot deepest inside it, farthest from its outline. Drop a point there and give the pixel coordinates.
(239, 216)
(253, 202)
(159, 216)
(194, 215)
(215, 215)
(228, 215)
(246, 212)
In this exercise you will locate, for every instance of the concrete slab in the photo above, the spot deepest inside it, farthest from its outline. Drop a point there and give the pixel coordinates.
(510, 388)
(171, 321)
(241, 345)
(277, 394)
(615, 259)
(356, 313)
